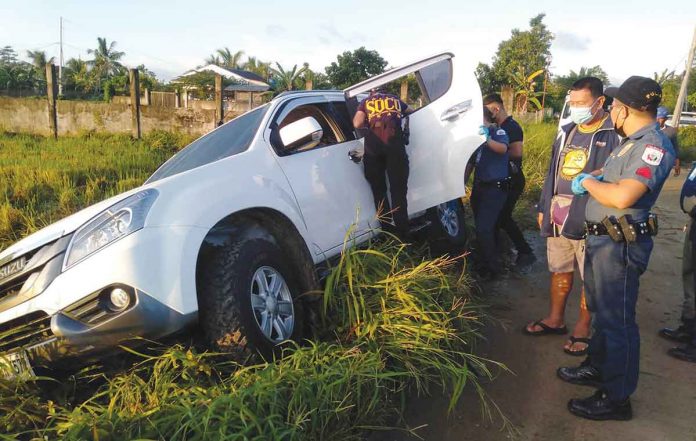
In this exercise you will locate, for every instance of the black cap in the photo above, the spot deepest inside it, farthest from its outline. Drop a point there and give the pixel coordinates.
(640, 93)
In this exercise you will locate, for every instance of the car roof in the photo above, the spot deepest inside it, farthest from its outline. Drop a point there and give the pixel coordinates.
(309, 92)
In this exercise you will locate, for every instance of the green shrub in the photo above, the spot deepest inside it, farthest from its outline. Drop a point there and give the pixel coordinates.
(686, 137)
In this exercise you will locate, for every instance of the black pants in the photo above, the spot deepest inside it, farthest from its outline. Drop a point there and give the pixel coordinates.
(487, 200)
(505, 221)
(392, 159)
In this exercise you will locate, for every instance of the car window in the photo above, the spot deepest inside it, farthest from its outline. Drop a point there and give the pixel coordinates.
(230, 139)
(321, 112)
(436, 79)
(344, 120)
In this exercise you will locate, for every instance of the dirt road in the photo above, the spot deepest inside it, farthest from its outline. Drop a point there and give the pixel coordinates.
(535, 400)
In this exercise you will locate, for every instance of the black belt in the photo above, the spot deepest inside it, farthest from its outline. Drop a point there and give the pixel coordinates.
(503, 184)
(622, 230)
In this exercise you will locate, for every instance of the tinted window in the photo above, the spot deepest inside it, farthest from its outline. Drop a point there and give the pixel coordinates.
(436, 79)
(229, 139)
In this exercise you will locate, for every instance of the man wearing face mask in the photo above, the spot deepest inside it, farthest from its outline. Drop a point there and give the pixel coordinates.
(581, 146)
(617, 248)
(525, 256)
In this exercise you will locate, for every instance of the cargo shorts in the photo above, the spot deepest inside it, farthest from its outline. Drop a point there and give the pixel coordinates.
(563, 254)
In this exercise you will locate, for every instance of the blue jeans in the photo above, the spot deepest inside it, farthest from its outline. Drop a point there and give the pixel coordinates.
(612, 271)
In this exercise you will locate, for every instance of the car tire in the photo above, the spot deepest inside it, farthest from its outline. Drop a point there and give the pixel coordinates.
(448, 224)
(249, 298)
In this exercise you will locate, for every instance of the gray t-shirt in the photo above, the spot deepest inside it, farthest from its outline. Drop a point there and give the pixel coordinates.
(646, 156)
(671, 133)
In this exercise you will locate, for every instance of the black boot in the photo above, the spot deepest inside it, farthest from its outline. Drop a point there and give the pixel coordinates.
(682, 334)
(583, 375)
(685, 353)
(599, 407)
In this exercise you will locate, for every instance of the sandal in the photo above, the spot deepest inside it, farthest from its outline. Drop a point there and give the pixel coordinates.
(545, 329)
(574, 340)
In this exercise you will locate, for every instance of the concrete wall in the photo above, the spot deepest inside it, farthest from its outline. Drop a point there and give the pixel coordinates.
(30, 115)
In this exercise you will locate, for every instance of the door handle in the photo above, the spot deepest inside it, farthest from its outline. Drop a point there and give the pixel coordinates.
(355, 156)
(456, 110)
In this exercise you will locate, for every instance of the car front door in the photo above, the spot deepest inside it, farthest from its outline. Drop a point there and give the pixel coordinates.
(444, 128)
(330, 189)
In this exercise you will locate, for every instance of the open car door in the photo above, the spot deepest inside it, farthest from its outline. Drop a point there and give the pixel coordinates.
(444, 128)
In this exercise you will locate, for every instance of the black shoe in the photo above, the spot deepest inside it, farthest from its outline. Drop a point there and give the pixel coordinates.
(599, 407)
(682, 334)
(685, 353)
(583, 375)
(524, 262)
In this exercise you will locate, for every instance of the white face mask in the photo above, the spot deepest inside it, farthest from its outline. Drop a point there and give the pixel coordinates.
(580, 115)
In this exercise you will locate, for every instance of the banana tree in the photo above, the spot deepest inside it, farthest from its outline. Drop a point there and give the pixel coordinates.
(525, 89)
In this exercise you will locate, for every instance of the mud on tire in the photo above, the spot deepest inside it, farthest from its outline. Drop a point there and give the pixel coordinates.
(231, 298)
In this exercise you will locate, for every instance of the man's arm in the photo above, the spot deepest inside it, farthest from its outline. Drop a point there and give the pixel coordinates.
(359, 119)
(496, 146)
(516, 150)
(621, 195)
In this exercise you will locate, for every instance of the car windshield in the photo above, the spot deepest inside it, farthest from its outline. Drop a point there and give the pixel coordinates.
(228, 140)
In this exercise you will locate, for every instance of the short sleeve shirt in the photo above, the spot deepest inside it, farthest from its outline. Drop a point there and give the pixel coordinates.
(646, 156)
(492, 166)
(671, 133)
(383, 107)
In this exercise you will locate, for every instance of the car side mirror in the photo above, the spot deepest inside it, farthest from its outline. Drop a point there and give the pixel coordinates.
(303, 134)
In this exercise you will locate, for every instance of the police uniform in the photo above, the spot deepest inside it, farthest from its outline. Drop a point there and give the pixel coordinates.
(489, 194)
(385, 152)
(686, 333)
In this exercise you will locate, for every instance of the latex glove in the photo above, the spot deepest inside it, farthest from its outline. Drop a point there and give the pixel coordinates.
(484, 131)
(576, 185)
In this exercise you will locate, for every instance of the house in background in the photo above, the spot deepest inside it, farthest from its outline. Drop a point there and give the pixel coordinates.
(244, 94)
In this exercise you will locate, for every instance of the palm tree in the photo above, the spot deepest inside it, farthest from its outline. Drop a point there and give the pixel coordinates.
(213, 59)
(77, 76)
(225, 58)
(106, 59)
(287, 79)
(665, 75)
(39, 60)
(258, 67)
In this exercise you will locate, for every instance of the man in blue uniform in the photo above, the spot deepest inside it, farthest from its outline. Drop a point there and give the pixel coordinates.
(525, 255)
(686, 332)
(385, 152)
(617, 249)
(488, 196)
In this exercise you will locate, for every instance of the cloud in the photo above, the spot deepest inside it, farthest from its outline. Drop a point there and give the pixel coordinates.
(276, 30)
(571, 42)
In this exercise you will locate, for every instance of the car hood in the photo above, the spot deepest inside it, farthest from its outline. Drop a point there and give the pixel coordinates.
(60, 228)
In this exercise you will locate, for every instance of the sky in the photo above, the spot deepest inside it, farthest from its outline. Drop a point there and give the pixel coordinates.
(625, 37)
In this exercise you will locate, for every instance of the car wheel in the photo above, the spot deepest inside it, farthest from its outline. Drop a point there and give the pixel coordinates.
(447, 223)
(249, 298)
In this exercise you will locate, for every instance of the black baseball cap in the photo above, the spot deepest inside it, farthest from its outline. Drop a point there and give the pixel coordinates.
(640, 93)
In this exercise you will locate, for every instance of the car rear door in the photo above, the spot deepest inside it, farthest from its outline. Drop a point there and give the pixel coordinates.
(444, 130)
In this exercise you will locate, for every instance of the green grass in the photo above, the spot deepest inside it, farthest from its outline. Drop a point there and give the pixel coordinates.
(397, 324)
(43, 180)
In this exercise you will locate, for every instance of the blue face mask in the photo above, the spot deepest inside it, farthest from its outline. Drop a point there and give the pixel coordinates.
(580, 115)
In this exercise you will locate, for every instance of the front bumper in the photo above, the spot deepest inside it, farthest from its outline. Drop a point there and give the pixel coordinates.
(157, 265)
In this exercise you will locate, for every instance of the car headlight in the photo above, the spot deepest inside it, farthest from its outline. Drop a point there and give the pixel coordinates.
(114, 223)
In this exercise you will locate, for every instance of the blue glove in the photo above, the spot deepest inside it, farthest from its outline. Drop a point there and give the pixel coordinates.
(483, 130)
(576, 185)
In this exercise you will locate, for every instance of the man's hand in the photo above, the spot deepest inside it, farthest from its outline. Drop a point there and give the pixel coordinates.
(485, 131)
(540, 219)
(576, 185)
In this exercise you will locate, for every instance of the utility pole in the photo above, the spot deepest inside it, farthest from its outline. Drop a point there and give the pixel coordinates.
(682, 90)
(60, 66)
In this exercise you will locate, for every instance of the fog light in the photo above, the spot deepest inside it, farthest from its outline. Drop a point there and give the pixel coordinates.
(120, 299)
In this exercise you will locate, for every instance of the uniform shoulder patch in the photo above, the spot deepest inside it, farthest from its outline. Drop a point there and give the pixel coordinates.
(652, 155)
(644, 172)
(500, 132)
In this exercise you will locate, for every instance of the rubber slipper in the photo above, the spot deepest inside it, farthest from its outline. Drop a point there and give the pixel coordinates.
(574, 340)
(545, 329)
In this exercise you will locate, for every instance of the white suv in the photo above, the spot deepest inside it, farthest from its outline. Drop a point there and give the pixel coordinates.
(229, 232)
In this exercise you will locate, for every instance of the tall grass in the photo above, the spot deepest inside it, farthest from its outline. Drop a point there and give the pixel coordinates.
(398, 323)
(43, 179)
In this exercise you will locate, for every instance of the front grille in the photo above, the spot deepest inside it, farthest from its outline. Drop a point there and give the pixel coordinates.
(25, 331)
(13, 287)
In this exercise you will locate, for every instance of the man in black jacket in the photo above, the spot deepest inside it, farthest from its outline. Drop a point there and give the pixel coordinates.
(581, 146)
